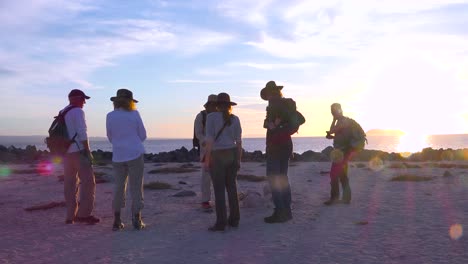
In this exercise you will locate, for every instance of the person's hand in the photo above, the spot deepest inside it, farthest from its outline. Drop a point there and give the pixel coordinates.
(277, 121)
(271, 125)
(87, 155)
(329, 135)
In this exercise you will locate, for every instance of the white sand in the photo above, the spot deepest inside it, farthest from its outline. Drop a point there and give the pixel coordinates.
(401, 222)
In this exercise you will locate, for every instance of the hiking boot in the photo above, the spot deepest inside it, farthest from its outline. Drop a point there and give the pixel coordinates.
(90, 220)
(137, 222)
(331, 202)
(216, 227)
(278, 216)
(288, 213)
(233, 223)
(69, 221)
(206, 206)
(118, 225)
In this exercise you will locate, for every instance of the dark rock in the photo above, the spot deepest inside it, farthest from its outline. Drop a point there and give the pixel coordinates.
(185, 193)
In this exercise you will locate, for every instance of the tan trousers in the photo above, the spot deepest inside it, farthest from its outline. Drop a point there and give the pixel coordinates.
(132, 170)
(78, 176)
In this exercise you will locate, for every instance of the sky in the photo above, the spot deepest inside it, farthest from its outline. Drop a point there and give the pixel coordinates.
(391, 64)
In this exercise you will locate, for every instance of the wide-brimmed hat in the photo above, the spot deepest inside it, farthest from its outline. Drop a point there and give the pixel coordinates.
(224, 98)
(212, 99)
(124, 93)
(76, 93)
(270, 86)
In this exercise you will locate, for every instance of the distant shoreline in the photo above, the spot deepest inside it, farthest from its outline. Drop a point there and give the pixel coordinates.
(254, 137)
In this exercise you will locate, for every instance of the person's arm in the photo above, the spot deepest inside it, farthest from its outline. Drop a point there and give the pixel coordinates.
(209, 140)
(239, 144)
(199, 129)
(108, 130)
(141, 127)
(332, 129)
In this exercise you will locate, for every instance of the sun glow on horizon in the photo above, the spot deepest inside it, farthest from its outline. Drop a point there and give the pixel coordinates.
(412, 142)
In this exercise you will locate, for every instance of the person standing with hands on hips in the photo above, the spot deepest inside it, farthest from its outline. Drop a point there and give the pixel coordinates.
(223, 157)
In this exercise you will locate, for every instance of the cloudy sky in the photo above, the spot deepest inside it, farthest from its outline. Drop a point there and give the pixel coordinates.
(391, 64)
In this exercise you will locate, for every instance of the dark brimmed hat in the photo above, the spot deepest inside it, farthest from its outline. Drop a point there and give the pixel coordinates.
(270, 86)
(124, 93)
(223, 98)
(76, 93)
(212, 99)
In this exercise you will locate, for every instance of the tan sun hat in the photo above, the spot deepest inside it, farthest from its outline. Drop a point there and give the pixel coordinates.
(124, 93)
(212, 99)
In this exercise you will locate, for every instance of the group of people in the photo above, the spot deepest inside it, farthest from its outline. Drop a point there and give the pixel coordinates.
(126, 132)
(219, 134)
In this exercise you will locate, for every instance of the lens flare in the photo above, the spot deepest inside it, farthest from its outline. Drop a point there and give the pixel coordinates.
(376, 164)
(45, 168)
(5, 171)
(456, 231)
(336, 155)
(57, 160)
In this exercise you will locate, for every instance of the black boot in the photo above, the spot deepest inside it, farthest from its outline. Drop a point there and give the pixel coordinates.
(137, 222)
(288, 213)
(278, 216)
(118, 225)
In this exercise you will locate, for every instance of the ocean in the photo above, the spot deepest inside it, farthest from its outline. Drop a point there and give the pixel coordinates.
(301, 144)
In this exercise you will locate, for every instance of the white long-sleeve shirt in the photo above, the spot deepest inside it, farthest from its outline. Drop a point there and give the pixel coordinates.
(126, 133)
(76, 125)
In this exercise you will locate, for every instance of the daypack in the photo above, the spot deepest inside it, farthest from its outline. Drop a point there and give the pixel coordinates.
(285, 109)
(358, 138)
(58, 140)
(295, 119)
(195, 141)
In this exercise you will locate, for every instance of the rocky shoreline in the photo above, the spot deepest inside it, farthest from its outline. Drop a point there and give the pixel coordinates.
(30, 154)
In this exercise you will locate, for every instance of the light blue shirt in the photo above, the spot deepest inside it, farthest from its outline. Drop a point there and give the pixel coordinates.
(126, 133)
(229, 137)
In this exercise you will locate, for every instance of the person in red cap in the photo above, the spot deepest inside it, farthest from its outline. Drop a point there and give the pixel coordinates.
(78, 170)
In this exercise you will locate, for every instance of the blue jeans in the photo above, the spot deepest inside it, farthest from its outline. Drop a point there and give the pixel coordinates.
(277, 174)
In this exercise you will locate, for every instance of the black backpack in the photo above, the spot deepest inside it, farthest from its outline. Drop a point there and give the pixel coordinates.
(58, 140)
(195, 141)
(295, 118)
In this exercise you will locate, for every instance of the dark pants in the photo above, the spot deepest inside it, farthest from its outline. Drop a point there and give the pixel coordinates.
(277, 174)
(224, 177)
(339, 172)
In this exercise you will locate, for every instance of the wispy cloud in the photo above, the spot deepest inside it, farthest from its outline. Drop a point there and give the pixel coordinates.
(275, 66)
(194, 81)
(92, 44)
(252, 12)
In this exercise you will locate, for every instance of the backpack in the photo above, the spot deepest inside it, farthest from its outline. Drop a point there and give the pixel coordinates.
(58, 140)
(358, 138)
(295, 118)
(195, 141)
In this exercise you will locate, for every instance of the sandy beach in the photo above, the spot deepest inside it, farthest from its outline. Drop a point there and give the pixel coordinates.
(386, 222)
